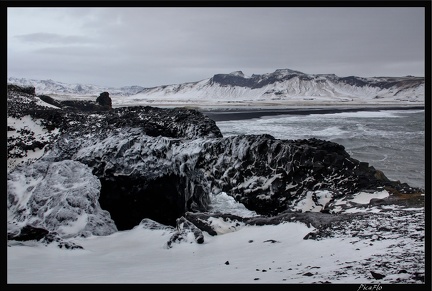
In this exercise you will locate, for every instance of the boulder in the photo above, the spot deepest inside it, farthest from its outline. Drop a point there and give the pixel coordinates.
(104, 100)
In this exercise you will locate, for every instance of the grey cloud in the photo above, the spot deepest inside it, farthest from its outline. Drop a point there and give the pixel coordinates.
(150, 46)
(53, 38)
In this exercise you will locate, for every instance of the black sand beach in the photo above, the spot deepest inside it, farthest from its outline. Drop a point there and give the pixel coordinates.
(239, 114)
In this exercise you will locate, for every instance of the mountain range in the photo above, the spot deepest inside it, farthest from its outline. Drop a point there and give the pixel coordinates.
(280, 85)
(51, 87)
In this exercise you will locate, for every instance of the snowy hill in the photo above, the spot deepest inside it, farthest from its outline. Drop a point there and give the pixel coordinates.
(50, 87)
(288, 85)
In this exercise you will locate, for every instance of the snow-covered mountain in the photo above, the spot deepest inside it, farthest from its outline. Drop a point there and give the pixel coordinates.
(50, 87)
(289, 85)
(281, 86)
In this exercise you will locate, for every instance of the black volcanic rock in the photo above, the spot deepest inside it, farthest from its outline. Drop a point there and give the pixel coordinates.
(104, 100)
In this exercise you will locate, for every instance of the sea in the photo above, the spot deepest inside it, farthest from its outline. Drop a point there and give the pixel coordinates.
(392, 141)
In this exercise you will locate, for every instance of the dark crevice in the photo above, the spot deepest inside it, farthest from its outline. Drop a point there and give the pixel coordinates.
(129, 200)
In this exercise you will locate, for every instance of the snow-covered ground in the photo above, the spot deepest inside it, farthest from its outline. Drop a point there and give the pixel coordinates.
(387, 240)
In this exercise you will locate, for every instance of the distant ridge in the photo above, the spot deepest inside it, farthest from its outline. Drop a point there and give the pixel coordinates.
(286, 84)
(282, 84)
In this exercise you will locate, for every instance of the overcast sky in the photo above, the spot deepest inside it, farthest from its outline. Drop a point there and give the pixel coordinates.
(151, 46)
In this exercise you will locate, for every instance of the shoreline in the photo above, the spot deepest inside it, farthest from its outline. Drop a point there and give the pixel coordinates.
(226, 114)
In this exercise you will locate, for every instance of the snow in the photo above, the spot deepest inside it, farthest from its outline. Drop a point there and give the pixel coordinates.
(364, 198)
(223, 203)
(36, 130)
(238, 254)
(238, 74)
(308, 204)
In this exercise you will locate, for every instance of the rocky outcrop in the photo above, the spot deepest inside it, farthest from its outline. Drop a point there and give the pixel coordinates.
(163, 177)
(161, 164)
(48, 118)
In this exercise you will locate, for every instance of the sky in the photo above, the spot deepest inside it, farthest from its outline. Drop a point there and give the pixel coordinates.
(153, 46)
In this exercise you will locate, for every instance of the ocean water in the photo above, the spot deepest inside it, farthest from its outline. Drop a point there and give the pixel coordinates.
(392, 141)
